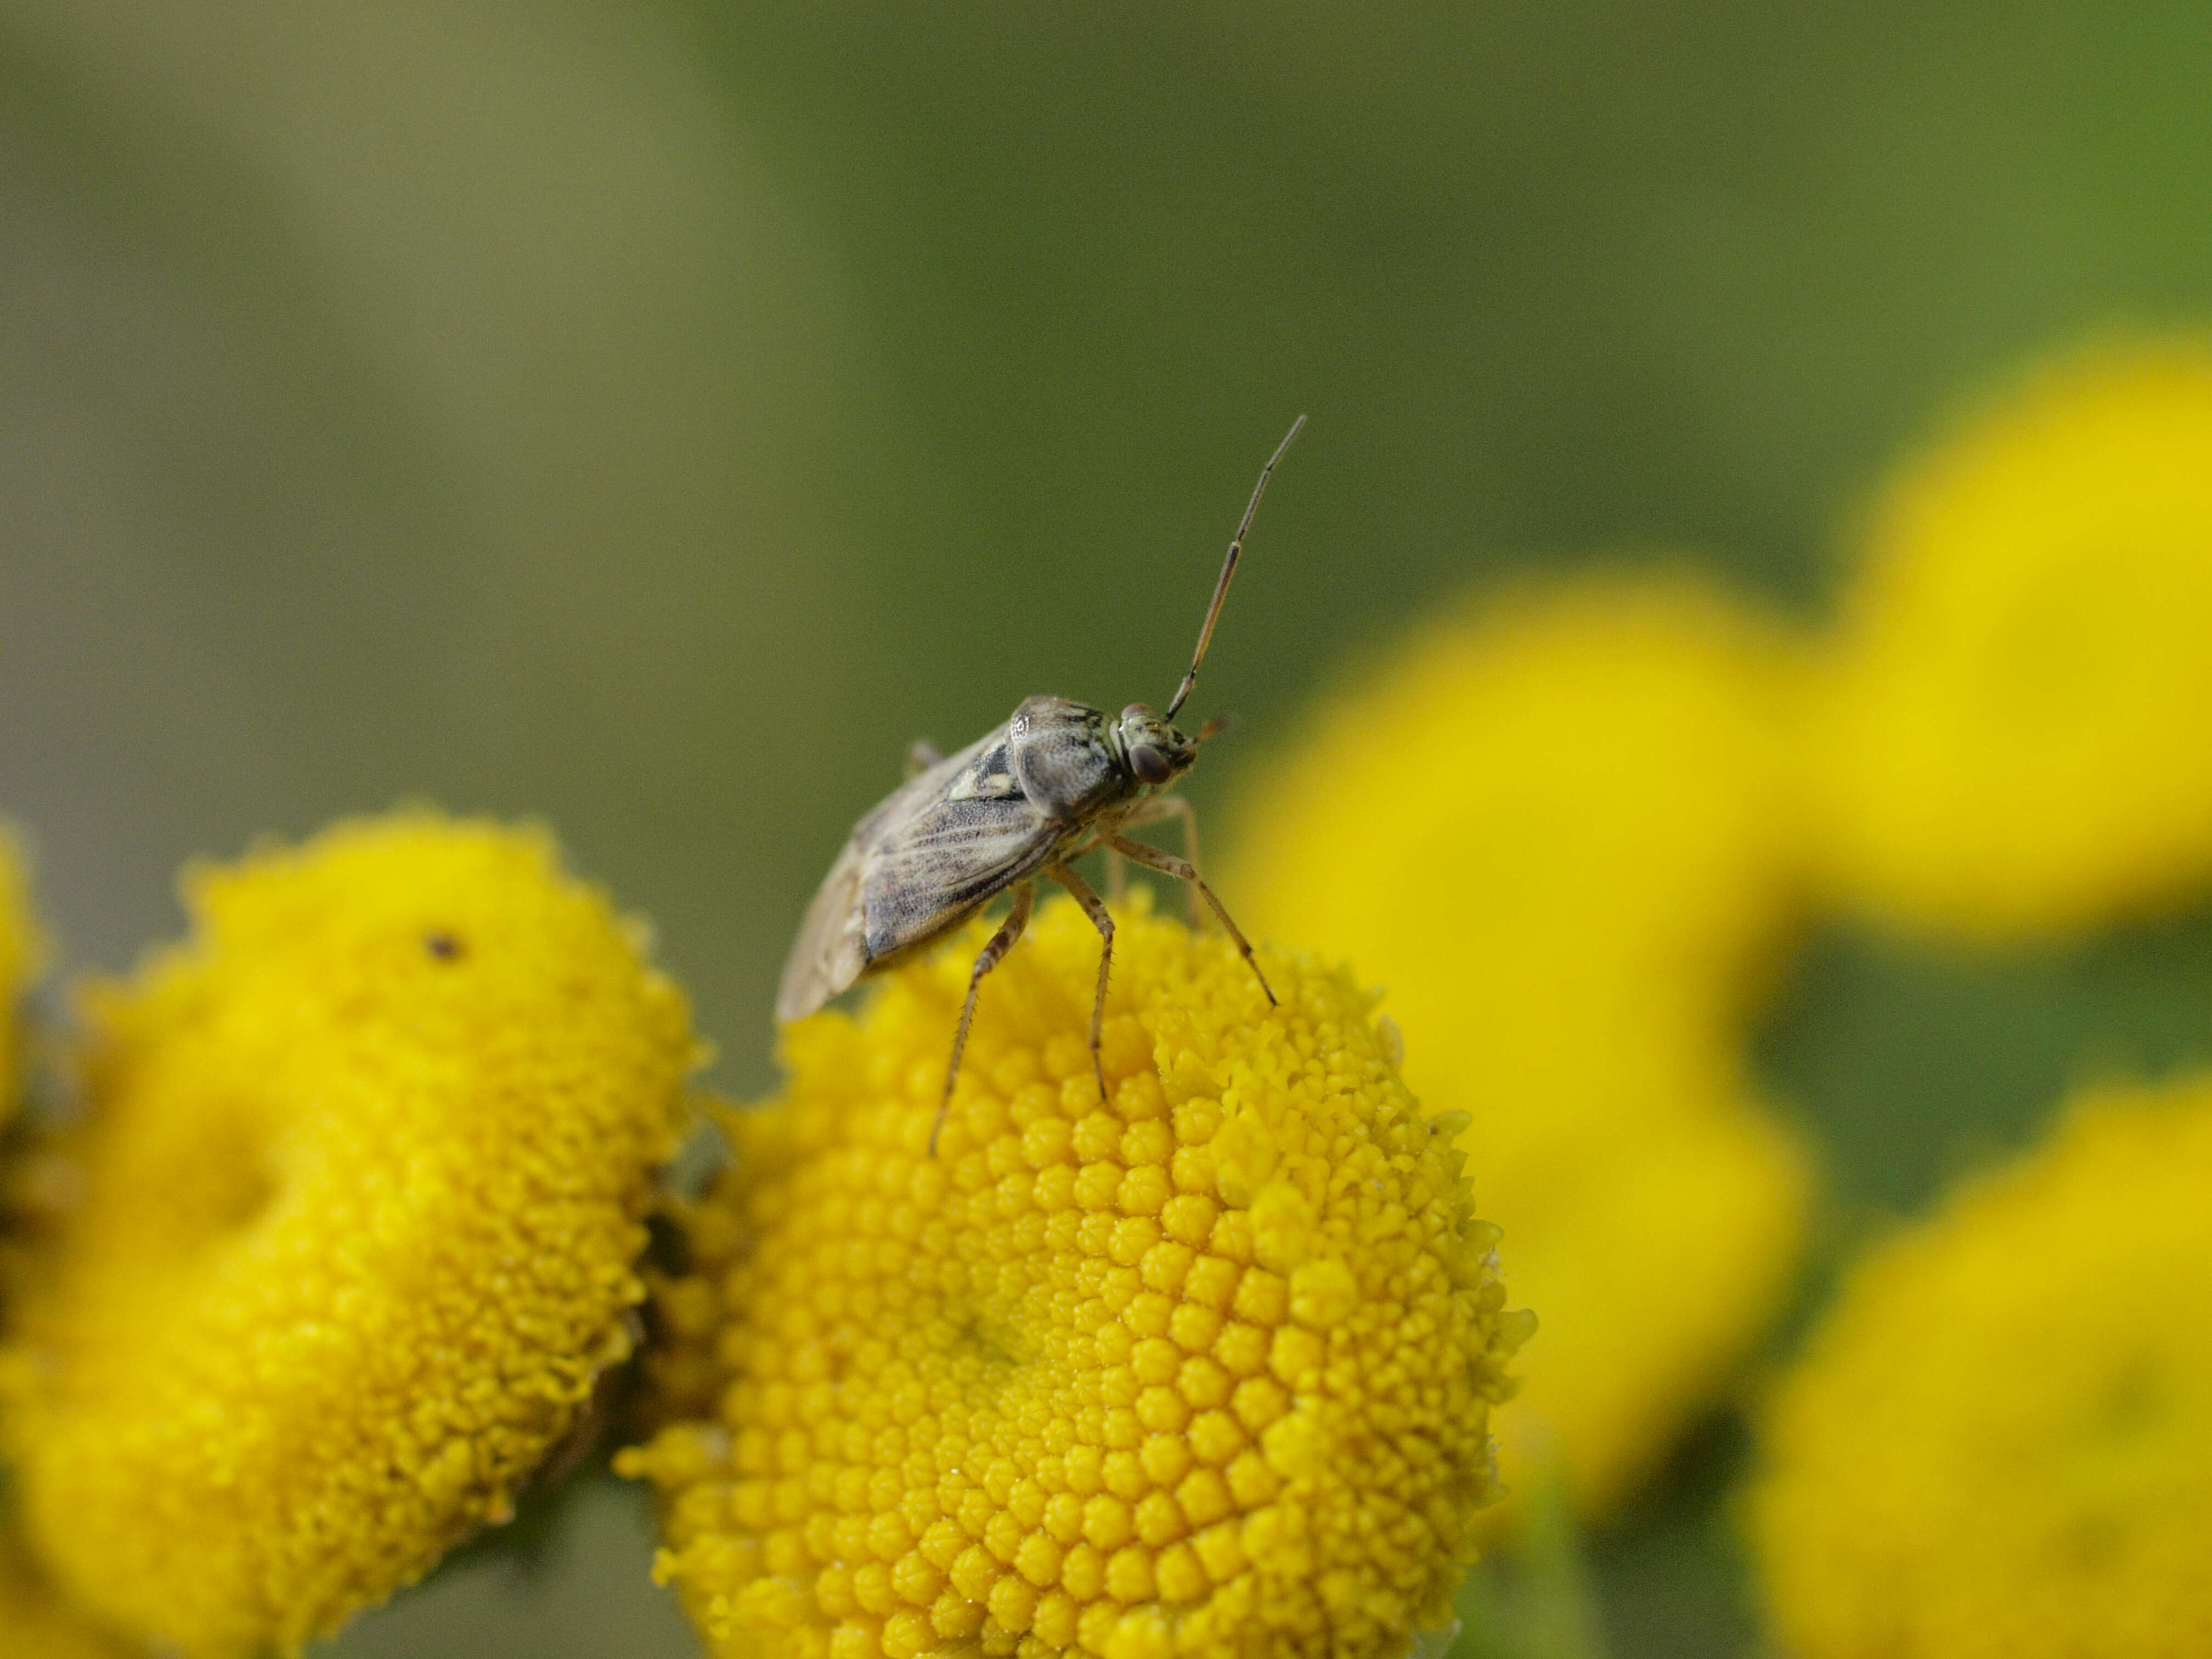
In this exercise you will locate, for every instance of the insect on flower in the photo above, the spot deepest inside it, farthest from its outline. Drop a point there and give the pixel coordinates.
(1057, 781)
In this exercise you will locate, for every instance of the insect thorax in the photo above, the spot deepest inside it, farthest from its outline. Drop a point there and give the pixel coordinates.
(1074, 762)
(1065, 758)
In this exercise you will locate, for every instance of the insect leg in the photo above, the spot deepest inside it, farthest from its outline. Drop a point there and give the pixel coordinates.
(920, 755)
(1117, 876)
(1095, 907)
(986, 959)
(1169, 806)
(1168, 863)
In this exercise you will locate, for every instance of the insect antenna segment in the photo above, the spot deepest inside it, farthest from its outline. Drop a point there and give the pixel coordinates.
(1229, 567)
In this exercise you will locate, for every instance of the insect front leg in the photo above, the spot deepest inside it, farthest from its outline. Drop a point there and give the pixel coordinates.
(989, 958)
(1168, 863)
(1151, 812)
(920, 755)
(1095, 907)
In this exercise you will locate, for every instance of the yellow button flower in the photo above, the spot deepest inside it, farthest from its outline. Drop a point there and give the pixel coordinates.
(2001, 1443)
(2010, 742)
(1557, 828)
(359, 1195)
(1204, 1368)
(19, 954)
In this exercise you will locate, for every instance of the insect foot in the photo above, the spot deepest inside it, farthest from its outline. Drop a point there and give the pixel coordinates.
(1217, 1336)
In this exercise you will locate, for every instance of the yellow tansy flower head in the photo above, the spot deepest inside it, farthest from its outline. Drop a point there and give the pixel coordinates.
(360, 1188)
(2001, 1444)
(1556, 828)
(1662, 1255)
(20, 952)
(1556, 824)
(1204, 1368)
(2011, 740)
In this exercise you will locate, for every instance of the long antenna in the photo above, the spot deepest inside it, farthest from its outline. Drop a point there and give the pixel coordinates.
(1229, 567)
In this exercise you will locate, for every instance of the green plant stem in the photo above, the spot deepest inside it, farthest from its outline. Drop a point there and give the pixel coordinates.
(1537, 1598)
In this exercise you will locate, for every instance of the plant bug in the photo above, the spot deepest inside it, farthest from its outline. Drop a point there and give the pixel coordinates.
(1055, 782)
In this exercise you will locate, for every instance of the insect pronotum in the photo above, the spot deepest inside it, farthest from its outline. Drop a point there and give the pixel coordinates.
(1057, 781)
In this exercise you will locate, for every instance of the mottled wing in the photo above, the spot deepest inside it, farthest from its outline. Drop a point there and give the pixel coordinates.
(928, 855)
(933, 865)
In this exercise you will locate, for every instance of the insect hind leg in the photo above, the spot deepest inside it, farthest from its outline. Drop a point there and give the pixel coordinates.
(991, 954)
(1168, 863)
(1095, 907)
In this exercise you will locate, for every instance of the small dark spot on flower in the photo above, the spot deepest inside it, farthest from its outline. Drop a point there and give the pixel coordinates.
(442, 945)
(666, 1246)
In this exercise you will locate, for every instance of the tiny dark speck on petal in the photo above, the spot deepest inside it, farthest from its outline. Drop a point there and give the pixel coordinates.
(444, 947)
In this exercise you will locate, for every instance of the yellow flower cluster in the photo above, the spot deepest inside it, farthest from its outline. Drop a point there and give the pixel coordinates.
(2001, 1444)
(345, 1234)
(20, 953)
(2010, 736)
(355, 1204)
(1558, 829)
(1204, 1368)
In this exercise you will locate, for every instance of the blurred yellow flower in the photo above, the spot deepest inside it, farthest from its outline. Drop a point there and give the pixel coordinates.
(2001, 1443)
(2010, 740)
(1557, 828)
(1206, 1371)
(1666, 1249)
(35, 1621)
(19, 955)
(360, 1193)
(1575, 797)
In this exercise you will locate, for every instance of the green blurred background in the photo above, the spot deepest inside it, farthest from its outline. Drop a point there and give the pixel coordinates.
(650, 418)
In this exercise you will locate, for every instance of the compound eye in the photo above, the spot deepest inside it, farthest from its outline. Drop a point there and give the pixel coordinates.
(1149, 765)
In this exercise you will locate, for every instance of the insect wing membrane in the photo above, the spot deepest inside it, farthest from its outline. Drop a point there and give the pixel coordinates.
(830, 951)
